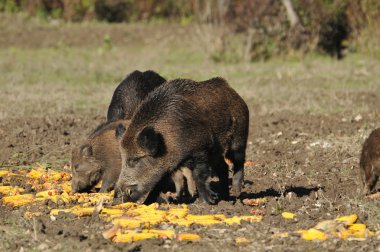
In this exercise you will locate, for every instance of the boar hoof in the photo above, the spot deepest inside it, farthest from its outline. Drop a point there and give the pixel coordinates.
(236, 192)
(214, 197)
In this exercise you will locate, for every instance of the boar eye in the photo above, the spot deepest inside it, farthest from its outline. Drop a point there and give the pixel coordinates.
(133, 160)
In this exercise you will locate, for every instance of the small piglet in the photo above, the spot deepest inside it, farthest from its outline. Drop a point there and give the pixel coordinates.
(98, 158)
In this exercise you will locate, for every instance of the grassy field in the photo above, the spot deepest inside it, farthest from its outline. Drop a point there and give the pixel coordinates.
(308, 114)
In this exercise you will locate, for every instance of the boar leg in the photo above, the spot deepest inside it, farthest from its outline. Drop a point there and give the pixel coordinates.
(221, 170)
(370, 184)
(369, 175)
(179, 183)
(106, 186)
(238, 158)
(191, 187)
(201, 173)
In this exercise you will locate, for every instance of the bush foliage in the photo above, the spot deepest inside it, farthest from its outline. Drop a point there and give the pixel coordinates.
(263, 26)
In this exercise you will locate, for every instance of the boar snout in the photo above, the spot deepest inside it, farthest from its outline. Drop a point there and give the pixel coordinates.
(79, 187)
(124, 194)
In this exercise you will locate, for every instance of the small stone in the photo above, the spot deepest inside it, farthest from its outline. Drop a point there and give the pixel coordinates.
(43, 247)
(222, 231)
(58, 247)
(358, 118)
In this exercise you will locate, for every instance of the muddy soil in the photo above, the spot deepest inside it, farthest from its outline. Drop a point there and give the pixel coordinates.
(301, 166)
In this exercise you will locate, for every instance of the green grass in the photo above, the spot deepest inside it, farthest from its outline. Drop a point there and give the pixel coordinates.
(87, 75)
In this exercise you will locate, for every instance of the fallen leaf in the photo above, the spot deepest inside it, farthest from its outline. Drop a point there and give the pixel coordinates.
(373, 196)
(258, 212)
(108, 234)
(32, 214)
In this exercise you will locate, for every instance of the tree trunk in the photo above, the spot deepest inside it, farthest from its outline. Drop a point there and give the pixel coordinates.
(292, 15)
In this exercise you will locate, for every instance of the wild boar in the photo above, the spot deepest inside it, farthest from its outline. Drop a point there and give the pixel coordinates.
(99, 159)
(370, 161)
(130, 92)
(188, 123)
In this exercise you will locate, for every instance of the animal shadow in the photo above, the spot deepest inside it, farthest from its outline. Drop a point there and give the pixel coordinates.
(299, 191)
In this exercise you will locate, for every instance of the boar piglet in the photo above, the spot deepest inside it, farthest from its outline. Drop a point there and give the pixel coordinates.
(130, 92)
(184, 122)
(370, 162)
(98, 159)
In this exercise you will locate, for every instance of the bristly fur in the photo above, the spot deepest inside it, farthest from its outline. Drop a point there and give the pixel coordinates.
(370, 161)
(200, 123)
(131, 92)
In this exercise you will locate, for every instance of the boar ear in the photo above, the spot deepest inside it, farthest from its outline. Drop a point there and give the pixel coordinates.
(151, 141)
(120, 129)
(86, 150)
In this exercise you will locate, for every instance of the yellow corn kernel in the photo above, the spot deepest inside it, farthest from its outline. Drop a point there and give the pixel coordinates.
(191, 237)
(10, 190)
(18, 200)
(46, 194)
(127, 205)
(127, 223)
(181, 222)
(232, 220)
(133, 236)
(288, 215)
(82, 211)
(178, 212)
(219, 217)
(112, 211)
(6, 173)
(34, 174)
(168, 234)
(242, 240)
(313, 234)
(347, 220)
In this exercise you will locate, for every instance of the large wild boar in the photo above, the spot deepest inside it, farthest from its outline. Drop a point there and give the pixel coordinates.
(99, 159)
(130, 92)
(188, 123)
(370, 161)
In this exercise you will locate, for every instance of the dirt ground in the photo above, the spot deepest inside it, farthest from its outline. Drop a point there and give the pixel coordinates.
(308, 120)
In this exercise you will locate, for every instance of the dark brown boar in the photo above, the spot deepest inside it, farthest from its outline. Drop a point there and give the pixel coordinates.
(130, 92)
(370, 161)
(98, 159)
(189, 123)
